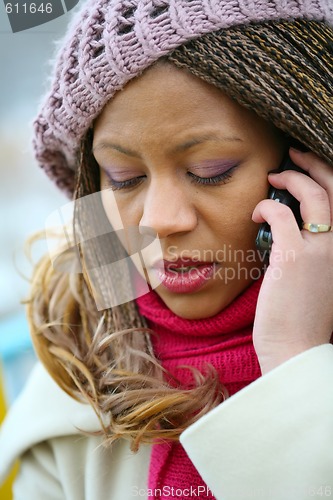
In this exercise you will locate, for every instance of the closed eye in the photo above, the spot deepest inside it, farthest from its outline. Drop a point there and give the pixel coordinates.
(221, 178)
(128, 183)
(213, 180)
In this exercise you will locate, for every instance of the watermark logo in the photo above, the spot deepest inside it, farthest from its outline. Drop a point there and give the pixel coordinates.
(81, 239)
(197, 491)
(25, 14)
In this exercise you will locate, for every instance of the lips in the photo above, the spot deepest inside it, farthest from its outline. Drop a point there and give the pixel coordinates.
(184, 275)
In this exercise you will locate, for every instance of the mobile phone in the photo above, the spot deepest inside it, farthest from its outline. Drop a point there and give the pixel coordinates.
(264, 238)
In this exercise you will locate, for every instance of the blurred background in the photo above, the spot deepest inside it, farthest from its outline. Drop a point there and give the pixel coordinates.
(27, 197)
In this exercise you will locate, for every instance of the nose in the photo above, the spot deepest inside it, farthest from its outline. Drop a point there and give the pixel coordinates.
(168, 209)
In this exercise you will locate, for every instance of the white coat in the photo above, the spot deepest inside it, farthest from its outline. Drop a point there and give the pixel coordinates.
(272, 440)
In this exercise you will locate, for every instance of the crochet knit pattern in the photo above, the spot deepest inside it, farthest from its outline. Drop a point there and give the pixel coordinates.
(111, 42)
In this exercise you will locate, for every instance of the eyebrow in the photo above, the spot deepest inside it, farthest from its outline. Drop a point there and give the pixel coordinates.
(116, 147)
(201, 139)
(177, 149)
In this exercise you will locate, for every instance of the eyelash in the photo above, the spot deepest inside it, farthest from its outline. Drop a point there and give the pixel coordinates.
(206, 181)
(117, 185)
(211, 181)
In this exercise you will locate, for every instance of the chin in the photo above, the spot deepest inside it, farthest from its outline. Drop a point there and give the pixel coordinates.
(194, 307)
(195, 315)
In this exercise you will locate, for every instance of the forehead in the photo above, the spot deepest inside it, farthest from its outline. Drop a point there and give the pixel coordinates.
(166, 87)
(168, 101)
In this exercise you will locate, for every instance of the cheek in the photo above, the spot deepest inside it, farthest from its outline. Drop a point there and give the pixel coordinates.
(124, 221)
(122, 211)
(111, 208)
(232, 219)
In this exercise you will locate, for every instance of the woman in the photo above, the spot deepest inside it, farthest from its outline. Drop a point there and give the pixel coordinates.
(220, 376)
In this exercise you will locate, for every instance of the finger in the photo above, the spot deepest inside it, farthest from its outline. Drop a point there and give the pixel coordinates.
(314, 200)
(285, 231)
(317, 168)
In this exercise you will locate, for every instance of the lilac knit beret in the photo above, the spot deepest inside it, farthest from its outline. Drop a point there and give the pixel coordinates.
(109, 42)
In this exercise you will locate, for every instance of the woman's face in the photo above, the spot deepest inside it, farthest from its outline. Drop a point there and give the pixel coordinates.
(185, 160)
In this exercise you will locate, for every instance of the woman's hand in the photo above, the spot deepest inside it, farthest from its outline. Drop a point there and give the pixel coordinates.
(295, 304)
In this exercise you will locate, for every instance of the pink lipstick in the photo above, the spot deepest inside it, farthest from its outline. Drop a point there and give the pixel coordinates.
(184, 275)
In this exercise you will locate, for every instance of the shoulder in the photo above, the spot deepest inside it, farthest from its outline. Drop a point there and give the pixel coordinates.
(47, 431)
(277, 427)
(43, 411)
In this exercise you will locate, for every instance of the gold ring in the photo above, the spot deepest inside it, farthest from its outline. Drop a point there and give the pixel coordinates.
(317, 228)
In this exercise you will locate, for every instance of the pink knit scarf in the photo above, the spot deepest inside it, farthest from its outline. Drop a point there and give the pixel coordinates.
(224, 341)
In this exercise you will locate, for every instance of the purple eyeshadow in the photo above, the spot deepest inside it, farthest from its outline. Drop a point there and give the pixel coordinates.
(211, 168)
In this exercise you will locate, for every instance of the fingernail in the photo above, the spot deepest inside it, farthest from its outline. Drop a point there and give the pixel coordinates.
(299, 148)
(274, 171)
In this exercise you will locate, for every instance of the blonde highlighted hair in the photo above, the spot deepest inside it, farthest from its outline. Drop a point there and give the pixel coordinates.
(105, 357)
